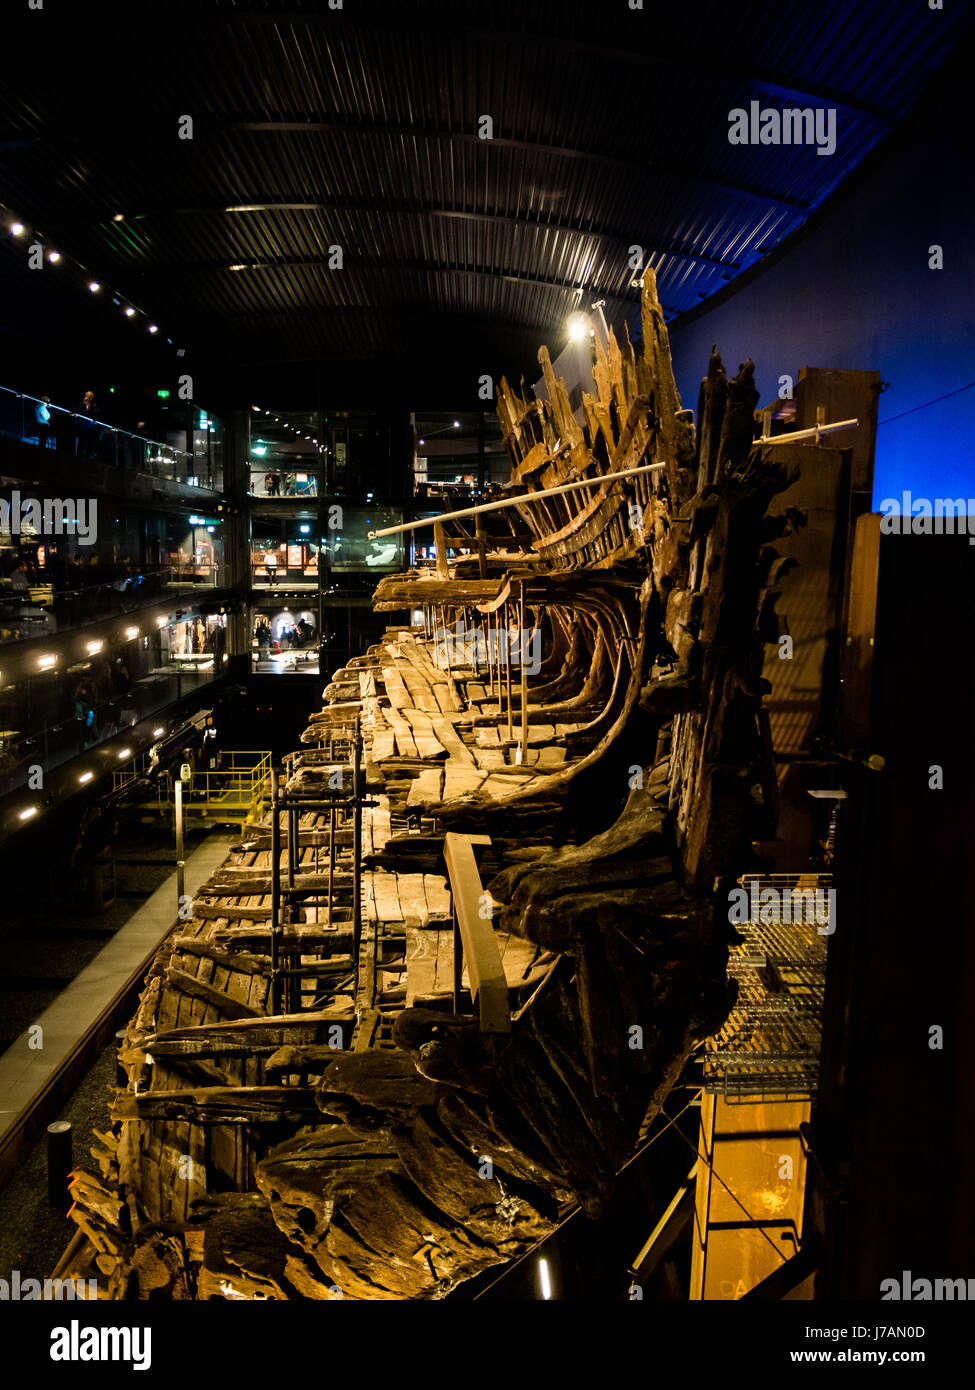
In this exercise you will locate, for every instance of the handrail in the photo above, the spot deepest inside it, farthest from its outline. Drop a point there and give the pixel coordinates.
(156, 452)
(474, 938)
(90, 419)
(598, 481)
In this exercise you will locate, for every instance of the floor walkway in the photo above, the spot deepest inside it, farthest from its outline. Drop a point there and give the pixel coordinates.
(26, 1071)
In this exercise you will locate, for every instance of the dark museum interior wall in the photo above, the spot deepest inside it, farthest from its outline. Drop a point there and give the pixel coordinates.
(855, 292)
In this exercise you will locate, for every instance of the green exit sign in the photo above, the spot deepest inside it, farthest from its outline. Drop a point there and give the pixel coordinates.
(163, 395)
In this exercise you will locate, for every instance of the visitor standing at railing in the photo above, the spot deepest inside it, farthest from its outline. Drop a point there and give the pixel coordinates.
(89, 435)
(45, 429)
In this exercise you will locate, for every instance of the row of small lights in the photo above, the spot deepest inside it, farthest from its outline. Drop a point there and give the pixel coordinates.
(31, 811)
(284, 424)
(49, 661)
(18, 229)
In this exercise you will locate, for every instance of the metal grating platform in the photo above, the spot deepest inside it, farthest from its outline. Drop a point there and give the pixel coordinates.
(769, 1045)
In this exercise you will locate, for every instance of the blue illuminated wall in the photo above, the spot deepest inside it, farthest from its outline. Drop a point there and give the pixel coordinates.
(856, 292)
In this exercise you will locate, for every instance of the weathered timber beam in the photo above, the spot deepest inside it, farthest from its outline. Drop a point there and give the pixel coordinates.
(222, 1105)
(489, 987)
(250, 1037)
(189, 984)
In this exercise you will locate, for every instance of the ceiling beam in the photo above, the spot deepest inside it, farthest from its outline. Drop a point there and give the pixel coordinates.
(124, 134)
(384, 207)
(695, 60)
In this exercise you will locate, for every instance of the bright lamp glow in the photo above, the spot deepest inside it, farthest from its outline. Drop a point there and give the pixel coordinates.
(17, 229)
(153, 328)
(46, 662)
(544, 1279)
(94, 648)
(31, 811)
(578, 326)
(86, 777)
(131, 632)
(129, 312)
(54, 257)
(94, 286)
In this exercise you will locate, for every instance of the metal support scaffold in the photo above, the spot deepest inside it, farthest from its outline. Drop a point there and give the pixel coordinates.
(345, 806)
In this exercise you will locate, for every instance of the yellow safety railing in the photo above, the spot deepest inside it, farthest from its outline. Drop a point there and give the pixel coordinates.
(236, 790)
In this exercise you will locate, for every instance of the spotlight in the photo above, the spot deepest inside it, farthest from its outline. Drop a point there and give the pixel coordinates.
(578, 326)
(456, 424)
(94, 648)
(46, 662)
(153, 328)
(129, 313)
(125, 753)
(17, 229)
(158, 733)
(31, 811)
(54, 257)
(131, 632)
(94, 286)
(86, 777)
(119, 217)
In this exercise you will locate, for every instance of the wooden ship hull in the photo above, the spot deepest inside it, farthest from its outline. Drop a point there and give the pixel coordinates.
(435, 1000)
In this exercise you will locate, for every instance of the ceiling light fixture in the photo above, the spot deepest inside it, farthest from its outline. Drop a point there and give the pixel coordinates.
(578, 326)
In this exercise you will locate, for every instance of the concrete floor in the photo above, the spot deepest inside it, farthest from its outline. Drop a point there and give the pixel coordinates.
(33, 1234)
(95, 955)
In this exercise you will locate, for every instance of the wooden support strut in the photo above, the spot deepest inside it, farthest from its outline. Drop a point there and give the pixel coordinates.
(475, 935)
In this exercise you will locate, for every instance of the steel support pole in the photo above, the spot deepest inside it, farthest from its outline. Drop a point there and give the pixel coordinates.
(507, 667)
(275, 892)
(524, 675)
(178, 791)
(627, 474)
(357, 846)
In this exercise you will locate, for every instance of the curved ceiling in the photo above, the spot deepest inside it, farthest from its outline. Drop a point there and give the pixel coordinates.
(362, 128)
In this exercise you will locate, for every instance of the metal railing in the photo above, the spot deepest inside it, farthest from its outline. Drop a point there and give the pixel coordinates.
(238, 788)
(770, 1043)
(42, 609)
(101, 442)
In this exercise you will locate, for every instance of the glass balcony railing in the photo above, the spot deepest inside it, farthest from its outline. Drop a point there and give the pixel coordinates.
(68, 738)
(35, 421)
(41, 610)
